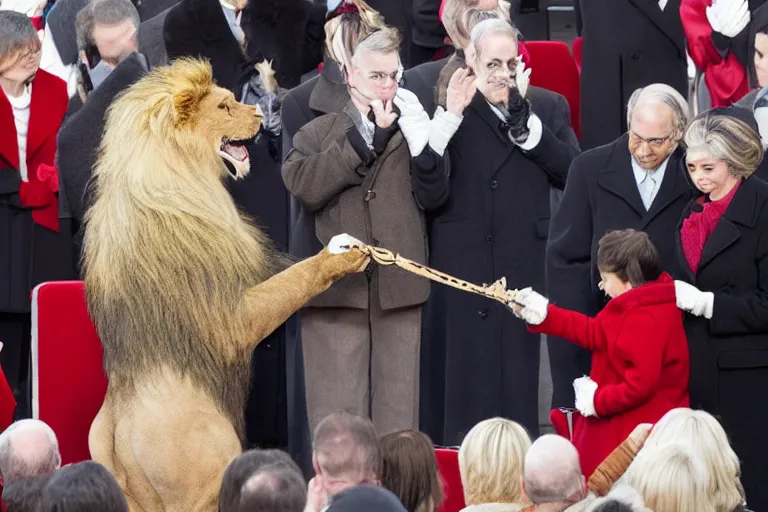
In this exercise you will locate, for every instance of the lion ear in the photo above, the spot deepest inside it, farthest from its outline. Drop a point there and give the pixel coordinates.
(185, 103)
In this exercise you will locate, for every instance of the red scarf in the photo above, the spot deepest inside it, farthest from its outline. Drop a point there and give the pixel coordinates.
(699, 225)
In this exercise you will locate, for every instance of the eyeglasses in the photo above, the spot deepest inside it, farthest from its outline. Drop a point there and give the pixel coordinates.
(657, 142)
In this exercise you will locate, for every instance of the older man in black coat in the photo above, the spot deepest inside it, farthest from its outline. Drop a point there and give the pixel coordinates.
(508, 147)
(627, 44)
(638, 181)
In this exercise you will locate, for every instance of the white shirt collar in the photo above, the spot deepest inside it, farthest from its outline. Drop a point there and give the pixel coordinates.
(640, 173)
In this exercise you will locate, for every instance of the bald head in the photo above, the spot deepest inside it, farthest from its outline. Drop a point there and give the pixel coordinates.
(551, 472)
(28, 448)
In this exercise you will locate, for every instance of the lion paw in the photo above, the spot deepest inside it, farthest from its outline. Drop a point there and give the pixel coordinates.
(340, 244)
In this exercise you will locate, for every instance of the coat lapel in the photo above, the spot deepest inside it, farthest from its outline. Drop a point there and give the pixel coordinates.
(661, 19)
(43, 124)
(743, 210)
(9, 146)
(618, 178)
(673, 186)
(499, 153)
(330, 93)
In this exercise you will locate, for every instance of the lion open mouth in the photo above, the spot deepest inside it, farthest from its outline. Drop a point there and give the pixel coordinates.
(236, 153)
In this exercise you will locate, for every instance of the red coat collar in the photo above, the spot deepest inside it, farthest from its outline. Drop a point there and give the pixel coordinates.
(659, 291)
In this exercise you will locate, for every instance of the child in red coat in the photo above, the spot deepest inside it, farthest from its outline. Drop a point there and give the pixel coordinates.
(639, 350)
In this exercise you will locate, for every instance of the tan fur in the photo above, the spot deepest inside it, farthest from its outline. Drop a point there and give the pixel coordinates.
(177, 284)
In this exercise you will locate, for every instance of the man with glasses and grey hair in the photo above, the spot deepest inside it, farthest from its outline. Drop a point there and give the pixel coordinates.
(638, 181)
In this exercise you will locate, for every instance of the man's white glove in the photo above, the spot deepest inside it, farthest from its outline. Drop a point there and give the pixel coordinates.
(693, 300)
(585, 389)
(340, 244)
(414, 122)
(442, 128)
(729, 17)
(522, 76)
(533, 308)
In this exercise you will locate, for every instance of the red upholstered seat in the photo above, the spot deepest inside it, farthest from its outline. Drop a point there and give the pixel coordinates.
(68, 383)
(578, 48)
(7, 402)
(553, 68)
(448, 465)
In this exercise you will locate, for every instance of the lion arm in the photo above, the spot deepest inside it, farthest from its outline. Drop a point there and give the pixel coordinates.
(273, 301)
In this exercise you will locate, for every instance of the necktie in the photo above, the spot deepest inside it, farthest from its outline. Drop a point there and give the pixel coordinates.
(647, 189)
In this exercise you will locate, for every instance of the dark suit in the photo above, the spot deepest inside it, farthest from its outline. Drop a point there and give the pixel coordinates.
(627, 44)
(729, 353)
(494, 225)
(602, 195)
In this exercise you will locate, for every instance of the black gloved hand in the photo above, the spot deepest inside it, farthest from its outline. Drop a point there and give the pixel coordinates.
(517, 113)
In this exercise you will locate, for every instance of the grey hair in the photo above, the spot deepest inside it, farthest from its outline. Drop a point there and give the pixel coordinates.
(17, 37)
(491, 26)
(347, 444)
(103, 12)
(15, 465)
(385, 40)
(551, 473)
(665, 95)
(725, 138)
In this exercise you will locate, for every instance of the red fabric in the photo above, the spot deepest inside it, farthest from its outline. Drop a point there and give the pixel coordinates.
(67, 366)
(553, 68)
(448, 466)
(639, 361)
(7, 403)
(49, 104)
(578, 48)
(726, 79)
(699, 225)
(440, 12)
(38, 22)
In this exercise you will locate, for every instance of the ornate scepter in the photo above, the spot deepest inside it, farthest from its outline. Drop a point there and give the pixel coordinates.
(497, 291)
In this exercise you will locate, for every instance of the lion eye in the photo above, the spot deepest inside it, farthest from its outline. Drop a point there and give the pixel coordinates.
(222, 106)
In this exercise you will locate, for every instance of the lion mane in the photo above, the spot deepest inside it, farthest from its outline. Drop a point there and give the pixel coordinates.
(167, 256)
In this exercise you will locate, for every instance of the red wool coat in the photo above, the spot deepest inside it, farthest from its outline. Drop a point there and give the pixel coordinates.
(639, 361)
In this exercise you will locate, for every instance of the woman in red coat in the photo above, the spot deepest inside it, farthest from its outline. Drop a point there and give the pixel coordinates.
(639, 350)
(32, 106)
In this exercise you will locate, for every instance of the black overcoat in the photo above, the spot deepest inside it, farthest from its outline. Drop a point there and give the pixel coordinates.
(198, 28)
(627, 44)
(601, 195)
(729, 353)
(494, 225)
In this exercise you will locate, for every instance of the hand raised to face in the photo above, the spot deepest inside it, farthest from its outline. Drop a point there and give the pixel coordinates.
(461, 89)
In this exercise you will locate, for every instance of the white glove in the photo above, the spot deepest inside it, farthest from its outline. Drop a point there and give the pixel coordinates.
(585, 389)
(729, 17)
(693, 300)
(340, 244)
(442, 128)
(414, 122)
(522, 76)
(534, 306)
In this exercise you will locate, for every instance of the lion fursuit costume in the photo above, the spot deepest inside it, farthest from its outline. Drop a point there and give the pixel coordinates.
(181, 287)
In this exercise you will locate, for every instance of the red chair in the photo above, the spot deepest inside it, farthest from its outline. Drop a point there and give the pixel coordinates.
(448, 465)
(578, 48)
(553, 68)
(68, 383)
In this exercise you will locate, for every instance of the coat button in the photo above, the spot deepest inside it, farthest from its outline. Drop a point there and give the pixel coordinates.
(489, 239)
(494, 185)
(636, 56)
(483, 313)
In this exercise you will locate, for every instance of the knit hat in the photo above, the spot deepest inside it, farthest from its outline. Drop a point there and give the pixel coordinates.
(365, 498)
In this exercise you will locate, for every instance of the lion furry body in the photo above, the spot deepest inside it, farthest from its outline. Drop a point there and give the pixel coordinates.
(167, 255)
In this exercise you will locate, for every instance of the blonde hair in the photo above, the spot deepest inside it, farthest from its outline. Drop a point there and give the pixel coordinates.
(725, 138)
(703, 433)
(344, 32)
(457, 22)
(670, 478)
(491, 462)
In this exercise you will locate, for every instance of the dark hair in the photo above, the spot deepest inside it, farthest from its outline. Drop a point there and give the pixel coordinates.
(347, 444)
(83, 487)
(18, 38)
(613, 506)
(24, 494)
(630, 255)
(263, 480)
(409, 469)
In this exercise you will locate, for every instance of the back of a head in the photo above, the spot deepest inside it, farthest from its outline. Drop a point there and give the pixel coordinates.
(367, 498)
(631, 255)
(24, 494)
(409, 469)
(491, 456)
(83, 487)
(28, 449)
(346, 445)
(552, 472)
(670, 478)
(263, 481)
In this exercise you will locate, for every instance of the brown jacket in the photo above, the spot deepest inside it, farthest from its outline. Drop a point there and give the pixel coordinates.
(329, 179)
